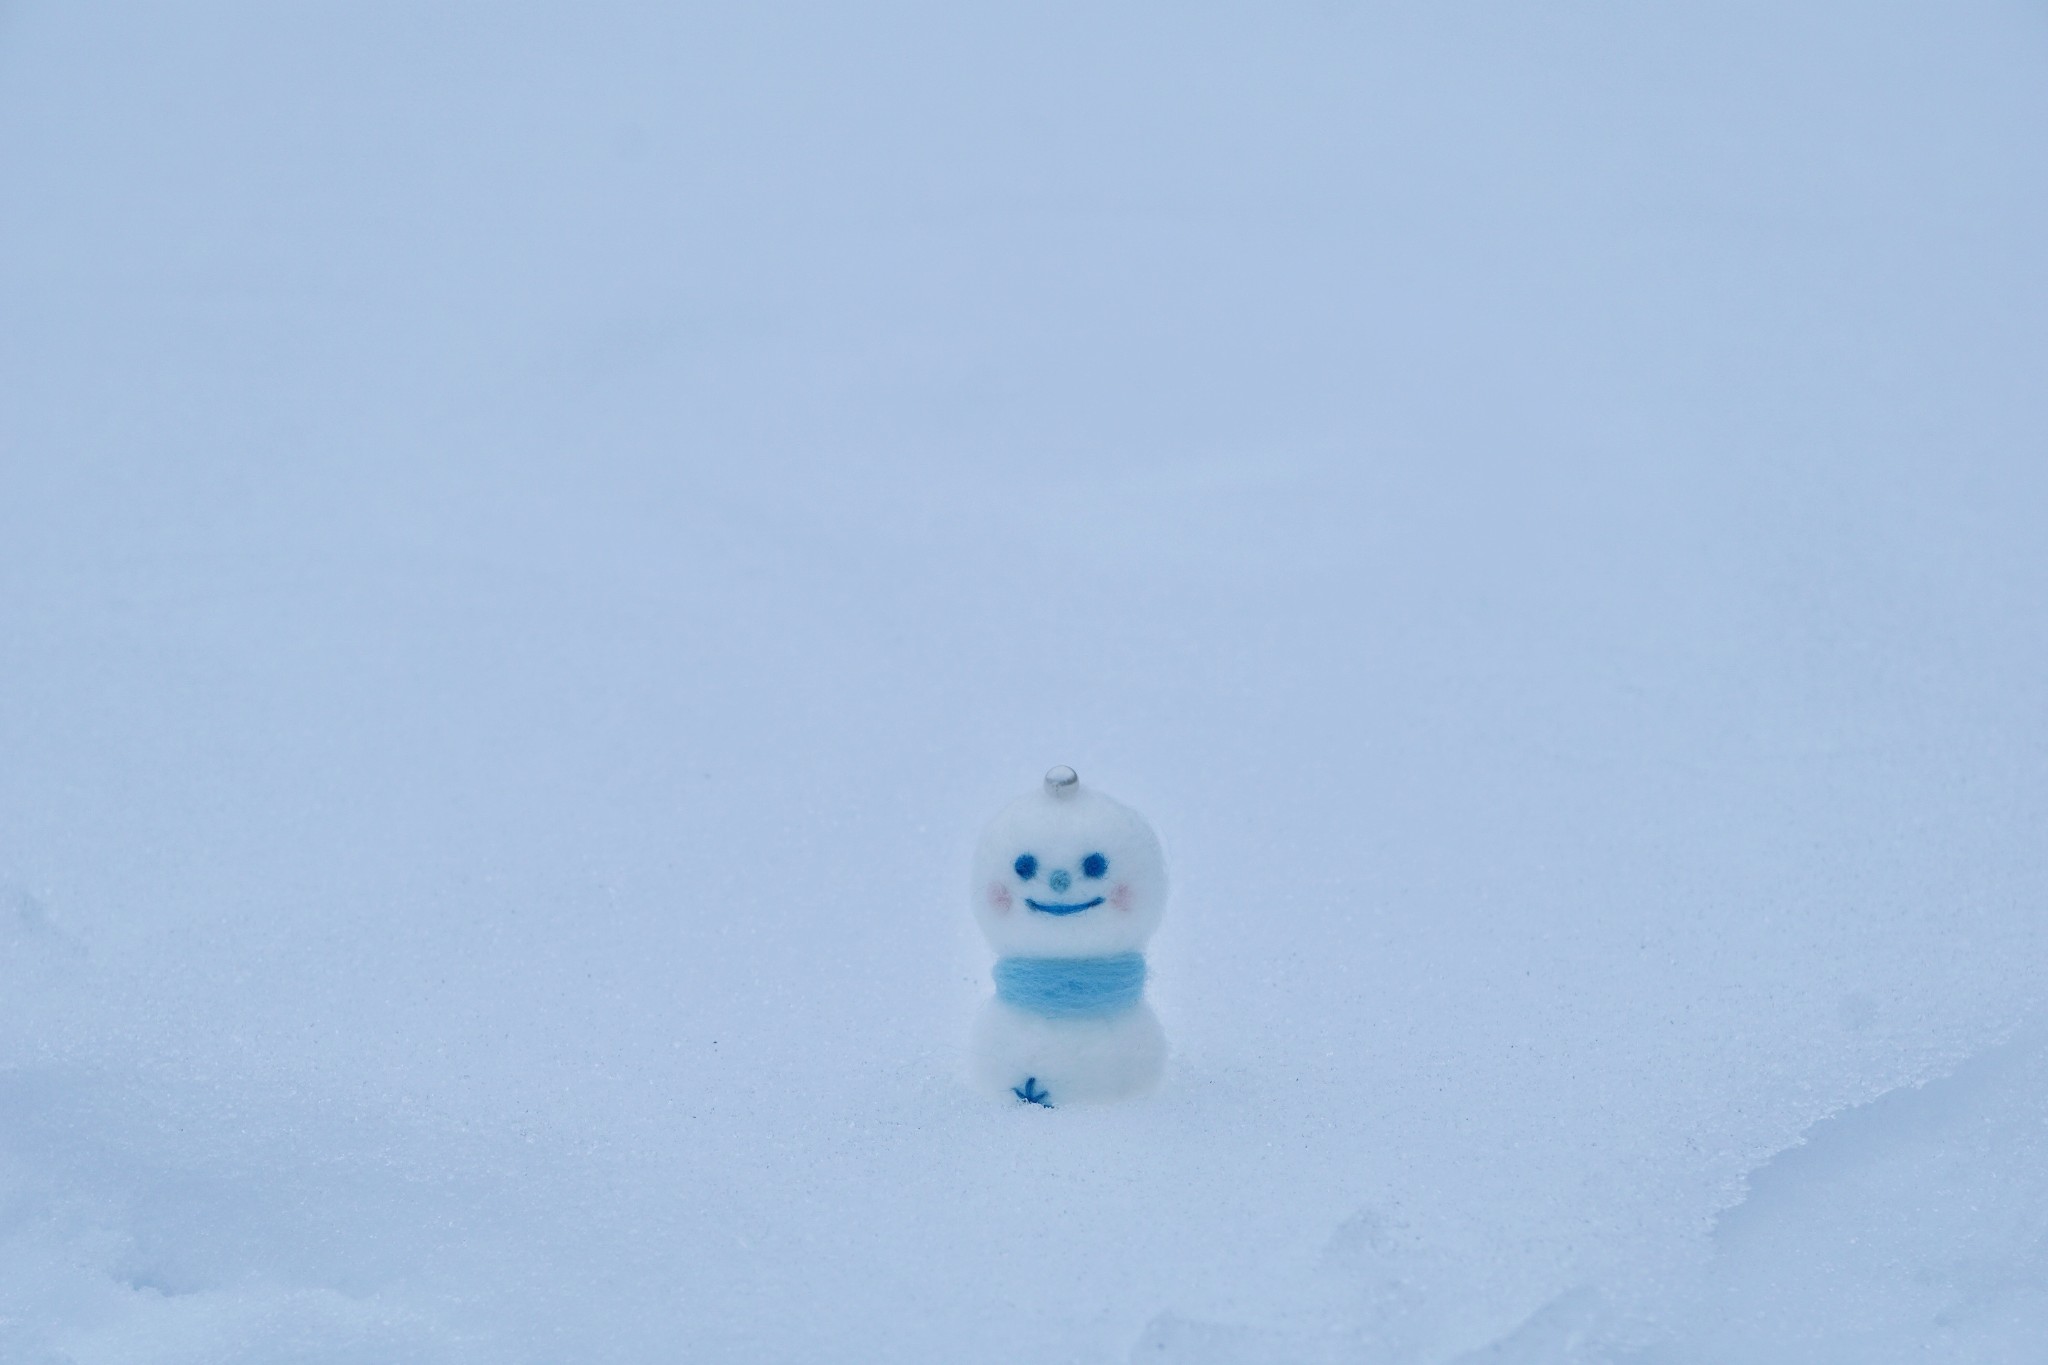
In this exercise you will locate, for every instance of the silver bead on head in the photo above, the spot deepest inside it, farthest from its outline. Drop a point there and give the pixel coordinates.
(1061, 781)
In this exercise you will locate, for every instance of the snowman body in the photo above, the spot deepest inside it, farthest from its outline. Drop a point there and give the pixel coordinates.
(1068, 887)
(1072, 1061)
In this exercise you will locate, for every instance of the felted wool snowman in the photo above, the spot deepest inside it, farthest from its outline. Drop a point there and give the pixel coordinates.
(1068, 886)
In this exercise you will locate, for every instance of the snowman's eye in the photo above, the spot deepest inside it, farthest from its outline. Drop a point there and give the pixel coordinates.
(1027, 866)
(1095, 864)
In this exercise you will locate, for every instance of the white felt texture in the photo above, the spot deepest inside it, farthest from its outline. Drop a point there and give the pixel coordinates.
(1073, 1061)
(1058, 833)
(532, 538)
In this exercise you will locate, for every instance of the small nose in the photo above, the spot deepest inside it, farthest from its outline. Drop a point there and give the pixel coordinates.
(1060, 880)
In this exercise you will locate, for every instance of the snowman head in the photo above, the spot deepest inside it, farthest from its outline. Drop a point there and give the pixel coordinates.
(1068, 872)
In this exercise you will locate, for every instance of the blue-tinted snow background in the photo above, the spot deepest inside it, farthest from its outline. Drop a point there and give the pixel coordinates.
(531, 540)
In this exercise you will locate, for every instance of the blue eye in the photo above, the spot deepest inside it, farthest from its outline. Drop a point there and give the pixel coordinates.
(1027, 866)
(1095, 864)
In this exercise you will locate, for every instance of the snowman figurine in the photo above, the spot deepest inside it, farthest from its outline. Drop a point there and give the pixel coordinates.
(1068, 886)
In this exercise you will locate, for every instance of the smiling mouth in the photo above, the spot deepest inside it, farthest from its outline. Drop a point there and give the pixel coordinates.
(1063, 909)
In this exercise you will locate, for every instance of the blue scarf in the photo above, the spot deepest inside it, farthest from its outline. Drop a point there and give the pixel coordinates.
(1071, 987)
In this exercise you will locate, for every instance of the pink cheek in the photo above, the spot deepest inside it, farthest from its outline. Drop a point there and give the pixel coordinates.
(999, 896)
(1120, 896)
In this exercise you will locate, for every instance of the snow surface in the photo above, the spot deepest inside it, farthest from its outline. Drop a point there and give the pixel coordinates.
(531, 539)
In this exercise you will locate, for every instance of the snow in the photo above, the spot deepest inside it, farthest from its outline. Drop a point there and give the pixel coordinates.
(530, 541)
